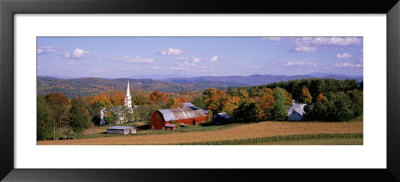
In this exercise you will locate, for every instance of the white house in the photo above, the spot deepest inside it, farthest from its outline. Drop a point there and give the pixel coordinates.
(296, 112)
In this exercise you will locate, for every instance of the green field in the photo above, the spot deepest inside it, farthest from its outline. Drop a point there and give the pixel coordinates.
(313, 139)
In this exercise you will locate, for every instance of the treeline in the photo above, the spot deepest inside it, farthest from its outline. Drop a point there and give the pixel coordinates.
(60, 117)
(326, 99)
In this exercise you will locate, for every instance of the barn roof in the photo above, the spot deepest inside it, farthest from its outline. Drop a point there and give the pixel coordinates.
(181, 113)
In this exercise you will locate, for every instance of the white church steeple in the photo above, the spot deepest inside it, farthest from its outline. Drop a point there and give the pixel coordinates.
(128, 100)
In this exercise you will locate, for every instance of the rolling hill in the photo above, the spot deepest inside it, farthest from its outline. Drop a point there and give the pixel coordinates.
(257, 79)
(88, 86)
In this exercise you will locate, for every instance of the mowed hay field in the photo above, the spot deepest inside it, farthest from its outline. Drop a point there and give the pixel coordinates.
(239, 132)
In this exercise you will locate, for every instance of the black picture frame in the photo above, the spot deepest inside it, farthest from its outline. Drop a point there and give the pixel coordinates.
(9, 8)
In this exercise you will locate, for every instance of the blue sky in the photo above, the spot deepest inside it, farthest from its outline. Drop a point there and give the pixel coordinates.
(165, 57)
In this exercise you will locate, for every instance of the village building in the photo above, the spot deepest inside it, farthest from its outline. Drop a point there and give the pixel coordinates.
(161, 119)
(123, 130)
(296, 112)
(121, 111)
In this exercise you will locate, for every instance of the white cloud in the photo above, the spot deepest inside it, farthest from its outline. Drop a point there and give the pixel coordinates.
(127, 59)
(308, 44)
(195, 59)
(305, 48)
(78, 53)
(186, 64)
(75, 54)
(171, 51)
(300, 64)
(45, 49)
(136, 59)
(338, 41)
(344, 56)
(214, 59)
(348, 65)
(66, 55)
(271, 38)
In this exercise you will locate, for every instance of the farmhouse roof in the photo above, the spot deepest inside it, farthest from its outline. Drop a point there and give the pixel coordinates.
(180, 113)
(297, 106)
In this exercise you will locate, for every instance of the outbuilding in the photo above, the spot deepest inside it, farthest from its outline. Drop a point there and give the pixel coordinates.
(123, 130)
(161, 118)
(170, 127)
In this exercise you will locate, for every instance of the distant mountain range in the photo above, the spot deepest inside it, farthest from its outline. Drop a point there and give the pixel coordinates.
(89, 86)
(257, 79)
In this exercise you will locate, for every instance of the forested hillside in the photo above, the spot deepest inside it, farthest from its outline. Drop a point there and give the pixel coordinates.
(91, 86)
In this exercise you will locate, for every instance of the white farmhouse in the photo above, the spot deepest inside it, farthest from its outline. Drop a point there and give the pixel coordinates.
(296, 112)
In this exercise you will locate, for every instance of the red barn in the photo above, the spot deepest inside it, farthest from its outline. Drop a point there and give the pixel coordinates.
(188, 116)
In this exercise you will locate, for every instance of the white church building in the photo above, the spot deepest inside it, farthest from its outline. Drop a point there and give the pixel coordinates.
(119, 109)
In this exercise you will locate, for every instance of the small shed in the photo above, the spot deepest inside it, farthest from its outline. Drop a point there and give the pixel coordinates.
(296, 112)
(170, 127)
(123, 130)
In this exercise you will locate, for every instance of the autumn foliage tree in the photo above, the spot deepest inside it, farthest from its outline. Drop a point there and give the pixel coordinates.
(117, 99)
(158, 98)
(305, 96)
(215, 99)
(59, 105)
(231, 104)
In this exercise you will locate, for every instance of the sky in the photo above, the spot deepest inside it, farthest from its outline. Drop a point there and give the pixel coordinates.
(167, 57)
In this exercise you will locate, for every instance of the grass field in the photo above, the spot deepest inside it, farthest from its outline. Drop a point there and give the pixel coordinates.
(262, 133)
